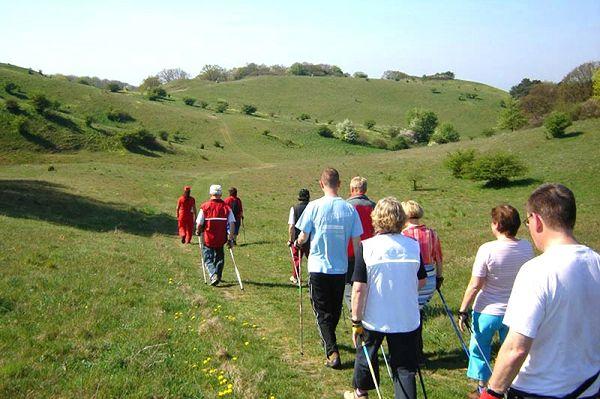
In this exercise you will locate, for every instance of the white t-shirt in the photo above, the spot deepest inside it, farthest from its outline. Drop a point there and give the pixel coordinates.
(556, 301)
(291, 217)
(499, 262)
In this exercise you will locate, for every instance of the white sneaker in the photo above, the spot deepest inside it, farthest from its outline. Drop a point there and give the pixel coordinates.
(294, 280)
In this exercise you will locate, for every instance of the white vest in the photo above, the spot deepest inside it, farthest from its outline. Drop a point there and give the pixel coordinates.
(392, 305)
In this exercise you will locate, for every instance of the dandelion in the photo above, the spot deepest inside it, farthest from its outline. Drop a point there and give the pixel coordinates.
(234, 358)
(246, 343)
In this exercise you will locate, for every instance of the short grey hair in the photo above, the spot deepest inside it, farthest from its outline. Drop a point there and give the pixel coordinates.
(359, 183)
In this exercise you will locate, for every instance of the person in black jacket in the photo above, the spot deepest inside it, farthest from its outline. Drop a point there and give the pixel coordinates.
(293, 232)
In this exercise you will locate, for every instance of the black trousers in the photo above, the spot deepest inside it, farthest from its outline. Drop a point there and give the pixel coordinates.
(402, 358)
(326, 296)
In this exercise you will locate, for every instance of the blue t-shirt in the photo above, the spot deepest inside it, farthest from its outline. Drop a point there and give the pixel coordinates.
(331, 222)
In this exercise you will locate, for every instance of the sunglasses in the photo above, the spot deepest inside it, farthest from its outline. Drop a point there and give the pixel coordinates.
(526, 220)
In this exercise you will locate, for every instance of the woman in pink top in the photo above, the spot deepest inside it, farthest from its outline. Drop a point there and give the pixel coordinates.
(494, 271)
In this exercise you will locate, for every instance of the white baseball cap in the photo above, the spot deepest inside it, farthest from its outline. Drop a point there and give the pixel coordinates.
(215, 189)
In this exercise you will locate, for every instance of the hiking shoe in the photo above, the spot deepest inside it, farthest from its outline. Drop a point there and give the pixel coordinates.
(294, 280)
(475, 394)
(352, 395)
(333, 361)
(183, 239)
(214, 280)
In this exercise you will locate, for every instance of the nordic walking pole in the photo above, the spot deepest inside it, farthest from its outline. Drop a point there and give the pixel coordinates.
(422, 382)
(387, 365)
(362, 342)
(300, 300)
(456, 330)
(237, 272)
(202, 259)
(480, 350)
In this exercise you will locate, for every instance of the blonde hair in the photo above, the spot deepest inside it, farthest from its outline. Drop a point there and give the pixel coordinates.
(359, 183)
(388, 216)
(412, 209)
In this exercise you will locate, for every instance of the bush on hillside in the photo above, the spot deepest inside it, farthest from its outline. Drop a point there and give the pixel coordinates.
(596, 83)
(157, 93)
(459, 161)
(119, 116)
(370, 124)
(21, 125)
(203, 104)
(360, 75)
(12, 106)
(488, 132)
(445, 133)
(347, 132)
(221, 106)
(590, 109)
(10, 87)
(399, 143)
(556, 124)
(113, 87)
(151, 82)
(139, 138)
(248, 109)
(325, 131)
(379, 143)
(189, 101)
(214, 73)
(84, 81)
(523, 88)
(218, 144)
(393, 131)
(495, 169)
(40, 102)
(303, 117)
(164, 135)
(89, 120)
(423, 122)
(511, 117)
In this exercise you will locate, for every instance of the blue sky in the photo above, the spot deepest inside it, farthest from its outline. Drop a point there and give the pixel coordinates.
(494, 42)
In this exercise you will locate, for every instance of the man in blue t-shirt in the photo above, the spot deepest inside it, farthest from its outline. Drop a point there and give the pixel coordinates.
(330, 222)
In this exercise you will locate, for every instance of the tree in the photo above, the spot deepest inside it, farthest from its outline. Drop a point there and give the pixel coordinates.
(595, 84)
(325, 131)
(189, 101)
(221, 106)
(459, 162)
(248, 109)
(423, 122)
(150, 83)
(395, 75)
(113, 87)
(539, 101)
(445, 133)
(523, 88)
(157, 93)
(168, 75)
(370, 124)
(360, 75)
(214, 73)
(556, 124)
(496, 169)
(583, 73)
(346, 131)
(40, 103)
(511, 117)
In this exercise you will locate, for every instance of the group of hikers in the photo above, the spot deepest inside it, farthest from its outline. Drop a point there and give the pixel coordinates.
(386, 265)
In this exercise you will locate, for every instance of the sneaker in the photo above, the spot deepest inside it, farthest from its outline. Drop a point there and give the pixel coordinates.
(334, 361)
(214, 280)
(352, 395)
(294, 280)
(183, 239)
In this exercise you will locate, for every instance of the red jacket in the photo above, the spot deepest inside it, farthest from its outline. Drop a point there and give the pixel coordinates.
(215, 213)
(235, 203)
(364, 206)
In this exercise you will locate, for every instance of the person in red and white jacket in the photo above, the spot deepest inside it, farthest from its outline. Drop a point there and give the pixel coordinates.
(216, 224)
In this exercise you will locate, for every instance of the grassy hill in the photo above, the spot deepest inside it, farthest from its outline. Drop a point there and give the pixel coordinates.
(99, 299)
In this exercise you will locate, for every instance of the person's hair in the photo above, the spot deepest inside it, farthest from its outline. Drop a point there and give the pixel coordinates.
(330, 178)
(555, 204)
(232, 191)
(412, 209)
(359, 183)
(304, 195)
(388, 216)
(507, 218)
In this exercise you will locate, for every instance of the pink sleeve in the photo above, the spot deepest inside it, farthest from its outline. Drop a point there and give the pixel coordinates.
(481, 262)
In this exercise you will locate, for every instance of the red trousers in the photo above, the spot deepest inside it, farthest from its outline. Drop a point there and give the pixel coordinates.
(186, 228)
(296, 255)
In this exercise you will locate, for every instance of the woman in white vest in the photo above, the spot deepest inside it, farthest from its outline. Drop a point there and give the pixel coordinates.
(388, 273)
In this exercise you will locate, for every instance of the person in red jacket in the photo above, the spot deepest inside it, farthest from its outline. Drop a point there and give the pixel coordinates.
(364, 206)
(213, 221)
(186, 213)
(235, 203)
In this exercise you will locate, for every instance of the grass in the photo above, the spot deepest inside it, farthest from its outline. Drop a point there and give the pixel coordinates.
(99, 299)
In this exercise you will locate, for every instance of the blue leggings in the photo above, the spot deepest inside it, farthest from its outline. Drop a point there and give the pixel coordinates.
(484, 329)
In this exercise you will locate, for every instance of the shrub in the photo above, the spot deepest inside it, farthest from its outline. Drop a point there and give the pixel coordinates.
(458, 162)
(221, 106)
(22, 125)
(495, 169)
(347, 132)
(248, 109)
(595, 83)
(164, 135)
(113, 87)
(119, 116)
(218, 144)
(360, 75)
(399, 143)
(379, 143)
(511, 117)
(12, 106)
(325, 131)
(40, 103)
(556, 124)
(303, 117)
(10, 87)
(445, 133)
(139, 138)
(488, 132)
(370, 124)
(89, 120)
(422, 122)
(83, 81)
(157, 93)
(590, 109)
(189, 101)
(393, 131)
(330, 122)
(203, 104)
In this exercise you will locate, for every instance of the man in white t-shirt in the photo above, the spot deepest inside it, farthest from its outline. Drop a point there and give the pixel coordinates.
(553, 344)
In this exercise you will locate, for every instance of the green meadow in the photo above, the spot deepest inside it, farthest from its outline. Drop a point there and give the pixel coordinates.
(98, 298)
